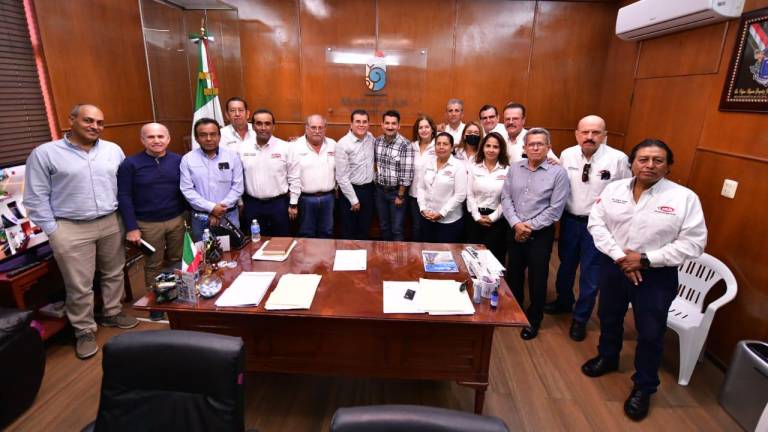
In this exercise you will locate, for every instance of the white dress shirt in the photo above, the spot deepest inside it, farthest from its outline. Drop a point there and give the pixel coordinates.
(231, 140)
(354, 163)
(267, 169)
(316, 170)
(667, 223)
(455, 133)
(484, 189)
(419, 159)
(606, 165)
(443, 191)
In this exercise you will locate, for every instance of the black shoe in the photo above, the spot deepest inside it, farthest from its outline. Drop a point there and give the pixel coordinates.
(578, 331)
(599, 366)
(529, 333)
(637, 404)
(554, 308)
(156, 315)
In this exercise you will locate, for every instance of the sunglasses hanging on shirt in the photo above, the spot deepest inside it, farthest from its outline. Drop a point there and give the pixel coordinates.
(585, 173)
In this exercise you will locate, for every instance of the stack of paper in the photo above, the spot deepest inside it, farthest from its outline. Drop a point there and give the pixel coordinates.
(443, 297)
(394, 297)
(259, 255)
(293, 291)
(350, 260)
(247, 290)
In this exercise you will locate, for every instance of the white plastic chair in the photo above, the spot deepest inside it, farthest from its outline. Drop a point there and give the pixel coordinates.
(695, 278)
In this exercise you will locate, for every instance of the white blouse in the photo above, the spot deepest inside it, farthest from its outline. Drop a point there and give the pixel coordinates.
(443, 190)
(484, 189)
(418, 165)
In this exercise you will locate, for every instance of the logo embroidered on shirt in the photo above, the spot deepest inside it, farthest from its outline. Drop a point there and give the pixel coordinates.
(331, 153)
(666, 210)
(619, 201)
(501, 177)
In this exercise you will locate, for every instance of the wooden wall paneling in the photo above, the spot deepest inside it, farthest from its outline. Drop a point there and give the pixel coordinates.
(673, 110)
(493, 47)
(126, 135)
(345, 27)
(416, 25)
(733, 132)
(690, 52)
(95, 53)
(737, 237)
(566, 78)
(269, 49)
(751, 5)
(181, 134)
(618, 84)
(224, 51)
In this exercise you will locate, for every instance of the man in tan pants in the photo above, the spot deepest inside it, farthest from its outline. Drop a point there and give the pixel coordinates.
(71, 193)
(151, 203)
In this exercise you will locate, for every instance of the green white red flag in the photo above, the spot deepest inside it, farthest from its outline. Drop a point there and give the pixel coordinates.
(207, 103)
(191, 255)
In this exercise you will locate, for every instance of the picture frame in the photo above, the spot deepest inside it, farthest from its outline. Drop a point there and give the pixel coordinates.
(746, 85)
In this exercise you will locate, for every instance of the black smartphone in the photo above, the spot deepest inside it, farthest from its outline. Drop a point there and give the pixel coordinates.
(409, 294)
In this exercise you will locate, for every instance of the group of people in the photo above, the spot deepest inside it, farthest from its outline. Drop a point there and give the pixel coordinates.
(621, 222)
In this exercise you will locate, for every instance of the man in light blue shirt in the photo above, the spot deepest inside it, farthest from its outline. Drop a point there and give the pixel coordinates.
(71, 192)
(211, 179)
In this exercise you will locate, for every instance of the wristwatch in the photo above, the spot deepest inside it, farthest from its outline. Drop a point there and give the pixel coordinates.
(644, 261)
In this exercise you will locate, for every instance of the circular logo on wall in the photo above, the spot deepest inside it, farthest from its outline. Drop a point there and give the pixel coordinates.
(376, 73)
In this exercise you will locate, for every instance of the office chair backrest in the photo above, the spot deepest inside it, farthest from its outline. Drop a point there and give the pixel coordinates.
(411, 418)
(172, 380)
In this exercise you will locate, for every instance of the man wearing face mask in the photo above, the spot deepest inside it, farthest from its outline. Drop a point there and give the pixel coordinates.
(591, 165)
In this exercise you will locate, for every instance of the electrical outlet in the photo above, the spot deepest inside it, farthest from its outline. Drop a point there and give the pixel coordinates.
(729, 188)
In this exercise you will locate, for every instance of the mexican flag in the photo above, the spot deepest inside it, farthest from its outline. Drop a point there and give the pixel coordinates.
(207, 102)
(191, 256)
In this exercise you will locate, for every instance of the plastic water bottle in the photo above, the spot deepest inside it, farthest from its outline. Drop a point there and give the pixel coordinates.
(495, 299)
(255, 231)
(206, 235)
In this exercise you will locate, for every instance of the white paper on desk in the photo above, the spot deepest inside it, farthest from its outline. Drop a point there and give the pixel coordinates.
(293, 291)
(394, 297)
(247, 289)
(259, 255)
(350, 260)
(443, 297)
(490, 262)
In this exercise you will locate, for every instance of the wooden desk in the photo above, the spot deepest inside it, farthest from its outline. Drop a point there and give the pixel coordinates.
(345, 332)
(46, 279)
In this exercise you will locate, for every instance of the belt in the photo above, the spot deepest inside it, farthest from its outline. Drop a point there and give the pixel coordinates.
(387, 188)
(583, 219)
(364, 185)
(85, 220)
(246, 196)
(485, 211)
(317, 194)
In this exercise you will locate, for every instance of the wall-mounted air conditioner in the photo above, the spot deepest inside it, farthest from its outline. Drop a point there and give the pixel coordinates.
(650, 18)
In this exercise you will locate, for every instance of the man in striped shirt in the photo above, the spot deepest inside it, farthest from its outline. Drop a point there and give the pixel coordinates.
(394, 174)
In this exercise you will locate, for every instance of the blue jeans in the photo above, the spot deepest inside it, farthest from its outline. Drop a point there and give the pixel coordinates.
(316, 215)
(577, 248)
(356, 225)
(200, 222)
(650, 304)
(391, 217)
(272, 215)
(417, 220)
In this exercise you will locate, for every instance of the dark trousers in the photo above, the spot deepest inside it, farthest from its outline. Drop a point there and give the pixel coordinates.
(416, 219)
(271, 213)
(577, 248)
(316, 215)
(650, 304)
(436, 232)
(356, 225)
(494, 237)
(391, 217)
(533, 255)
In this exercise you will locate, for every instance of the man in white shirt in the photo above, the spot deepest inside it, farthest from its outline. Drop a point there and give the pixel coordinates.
(238, 132)
(454, 114)
(645, 226)
(354, 174)
(268, 175)
(515, 131)
(489, 119)
(591, 165)
(314, 154)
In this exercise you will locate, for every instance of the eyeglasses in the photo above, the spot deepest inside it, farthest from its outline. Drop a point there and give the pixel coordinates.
(489, 117)
(585, 173)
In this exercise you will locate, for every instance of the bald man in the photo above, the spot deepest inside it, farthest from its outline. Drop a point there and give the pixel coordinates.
(150, 201)
(71, 193)
(591, 165)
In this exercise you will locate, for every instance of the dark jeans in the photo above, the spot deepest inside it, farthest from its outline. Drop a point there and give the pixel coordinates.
(494, 237)
(272, 215)
(416, 219)
(356, 225)
(577, 248)
(316, 215)
(436, 232)
(650, 304)
(534, 255)
(391, 217)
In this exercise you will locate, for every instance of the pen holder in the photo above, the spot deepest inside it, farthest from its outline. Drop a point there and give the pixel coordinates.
(486, 287)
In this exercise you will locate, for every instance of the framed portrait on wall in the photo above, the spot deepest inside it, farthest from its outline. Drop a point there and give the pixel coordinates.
(746, 86)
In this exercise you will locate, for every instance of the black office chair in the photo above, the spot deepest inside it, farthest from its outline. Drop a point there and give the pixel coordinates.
(411, 418)
(172, 380)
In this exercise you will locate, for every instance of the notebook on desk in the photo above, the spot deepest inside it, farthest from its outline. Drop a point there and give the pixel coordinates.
(277, 246)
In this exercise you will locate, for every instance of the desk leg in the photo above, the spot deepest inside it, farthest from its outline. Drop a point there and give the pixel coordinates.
(480, 389)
